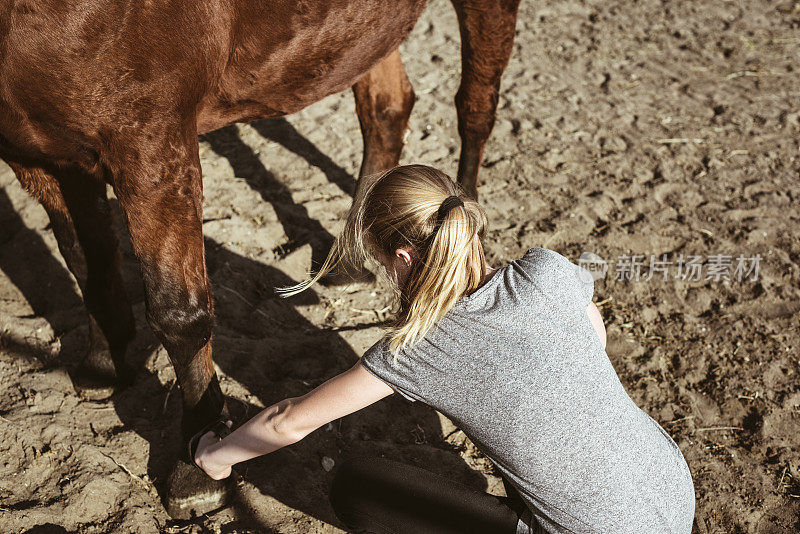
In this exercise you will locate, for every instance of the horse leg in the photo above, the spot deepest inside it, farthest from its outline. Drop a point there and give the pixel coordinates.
(487, 36)
(161, 197)
(384, 99)
(80, 217)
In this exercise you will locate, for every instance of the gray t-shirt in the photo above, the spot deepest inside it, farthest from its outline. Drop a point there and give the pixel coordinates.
(519, 368)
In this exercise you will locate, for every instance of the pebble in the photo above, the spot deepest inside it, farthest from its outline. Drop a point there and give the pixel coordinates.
(327, 463)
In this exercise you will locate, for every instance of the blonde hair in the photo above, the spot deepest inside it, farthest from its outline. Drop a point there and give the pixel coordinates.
(400, 208)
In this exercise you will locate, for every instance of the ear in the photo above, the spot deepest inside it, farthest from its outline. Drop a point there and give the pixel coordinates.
(404, 255)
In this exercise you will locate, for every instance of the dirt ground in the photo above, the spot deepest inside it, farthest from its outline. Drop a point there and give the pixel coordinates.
(624, 128)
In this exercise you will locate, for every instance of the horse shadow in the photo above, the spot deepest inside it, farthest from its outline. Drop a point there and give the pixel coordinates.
(300, 229)
(281, 131)
(52, 297)
(267, 351)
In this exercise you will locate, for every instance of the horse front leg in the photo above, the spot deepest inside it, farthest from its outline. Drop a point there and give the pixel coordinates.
(81, 220)
(161, 197)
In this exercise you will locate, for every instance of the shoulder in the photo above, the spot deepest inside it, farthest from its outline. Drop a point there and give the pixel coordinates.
(377, 358)
(380, 359)
(377, 353)
(554, 273)
(544, 260)
(397, 370)
(544, 255)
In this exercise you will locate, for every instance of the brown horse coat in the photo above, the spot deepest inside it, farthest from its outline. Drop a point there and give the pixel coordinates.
(77, 76)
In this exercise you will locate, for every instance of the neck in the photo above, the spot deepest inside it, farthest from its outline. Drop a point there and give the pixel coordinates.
(489, 273)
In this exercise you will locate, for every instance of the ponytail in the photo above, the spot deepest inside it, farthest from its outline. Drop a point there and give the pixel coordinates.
(419, 207)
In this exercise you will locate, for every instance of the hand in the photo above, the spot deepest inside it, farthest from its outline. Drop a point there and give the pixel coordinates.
(203, 457)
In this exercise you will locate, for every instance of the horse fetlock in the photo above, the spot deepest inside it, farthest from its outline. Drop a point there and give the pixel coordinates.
(103, 370)
(209, 409)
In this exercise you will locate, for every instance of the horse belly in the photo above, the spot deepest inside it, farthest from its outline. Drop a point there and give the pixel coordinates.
(283, 61)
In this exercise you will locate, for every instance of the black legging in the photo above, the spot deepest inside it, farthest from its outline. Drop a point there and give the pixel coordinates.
(379, 496)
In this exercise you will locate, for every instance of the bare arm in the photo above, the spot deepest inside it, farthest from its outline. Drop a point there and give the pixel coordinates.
(597, 322)
(291, 420)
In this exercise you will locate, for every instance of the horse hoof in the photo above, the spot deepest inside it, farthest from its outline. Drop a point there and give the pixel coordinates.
(100, 382)
(91, 391)
(191, 493)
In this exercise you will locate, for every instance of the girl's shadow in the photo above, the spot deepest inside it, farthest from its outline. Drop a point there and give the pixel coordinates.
(284, 355)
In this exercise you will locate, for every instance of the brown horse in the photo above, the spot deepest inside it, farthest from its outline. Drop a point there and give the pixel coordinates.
(114, 92)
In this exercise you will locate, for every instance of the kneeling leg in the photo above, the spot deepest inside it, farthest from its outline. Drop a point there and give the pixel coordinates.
(380, 496)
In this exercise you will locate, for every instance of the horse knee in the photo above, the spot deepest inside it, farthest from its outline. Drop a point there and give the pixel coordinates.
(386, 118)
(393, 120)
(182, 320)
(395, 110)
(476, 109)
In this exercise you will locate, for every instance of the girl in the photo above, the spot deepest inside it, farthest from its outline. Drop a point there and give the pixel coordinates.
(515, 357)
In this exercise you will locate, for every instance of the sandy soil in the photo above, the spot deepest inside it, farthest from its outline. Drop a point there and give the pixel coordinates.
(624, 128)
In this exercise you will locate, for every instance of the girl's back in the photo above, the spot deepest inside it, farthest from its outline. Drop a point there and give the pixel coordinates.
(518, 366)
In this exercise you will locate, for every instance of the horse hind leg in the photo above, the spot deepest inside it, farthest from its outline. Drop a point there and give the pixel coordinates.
(384, 99)
(487, 37)
(81, 220)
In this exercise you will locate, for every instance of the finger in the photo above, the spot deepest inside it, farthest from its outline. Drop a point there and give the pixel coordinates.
(208, 436)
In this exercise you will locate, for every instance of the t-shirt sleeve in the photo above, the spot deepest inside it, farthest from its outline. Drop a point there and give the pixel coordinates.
(396, 371)
(557, 276)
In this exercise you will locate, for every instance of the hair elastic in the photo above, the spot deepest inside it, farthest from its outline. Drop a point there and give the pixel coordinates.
(447, 204)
